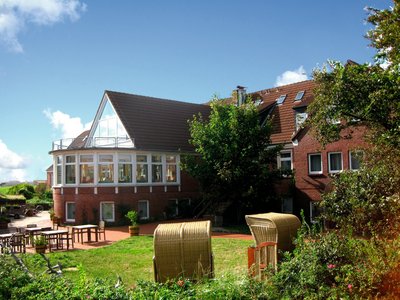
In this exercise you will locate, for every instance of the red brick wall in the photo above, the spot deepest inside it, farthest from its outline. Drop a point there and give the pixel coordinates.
(309, 187)
(87, 203)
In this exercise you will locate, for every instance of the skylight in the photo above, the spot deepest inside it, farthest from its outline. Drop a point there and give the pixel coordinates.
(258, 102)
(299, 96)
(281, 99)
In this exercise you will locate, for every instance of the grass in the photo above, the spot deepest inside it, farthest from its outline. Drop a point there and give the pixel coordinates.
(132, 260)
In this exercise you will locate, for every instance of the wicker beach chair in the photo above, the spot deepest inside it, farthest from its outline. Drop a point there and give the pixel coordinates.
(271, 231)
(284, 226)
(183, 250)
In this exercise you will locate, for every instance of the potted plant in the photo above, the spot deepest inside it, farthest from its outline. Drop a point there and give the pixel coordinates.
(132, 215)
(40, 244)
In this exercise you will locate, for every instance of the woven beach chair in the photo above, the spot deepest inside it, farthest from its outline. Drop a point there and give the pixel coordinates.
(183, 250)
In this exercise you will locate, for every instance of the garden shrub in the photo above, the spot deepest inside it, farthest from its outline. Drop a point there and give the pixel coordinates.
(367, 202)
(332, 266)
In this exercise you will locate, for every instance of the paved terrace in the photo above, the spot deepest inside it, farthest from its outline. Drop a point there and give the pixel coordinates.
(113, 234)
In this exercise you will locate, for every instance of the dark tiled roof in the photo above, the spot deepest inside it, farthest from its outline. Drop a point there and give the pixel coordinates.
(156, 124)
(284, 115)
(79, 141)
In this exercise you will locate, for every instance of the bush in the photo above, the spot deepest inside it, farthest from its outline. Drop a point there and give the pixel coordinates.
(367, 202)
(333, 266)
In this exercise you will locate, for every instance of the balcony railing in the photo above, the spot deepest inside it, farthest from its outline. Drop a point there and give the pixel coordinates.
(94, 142)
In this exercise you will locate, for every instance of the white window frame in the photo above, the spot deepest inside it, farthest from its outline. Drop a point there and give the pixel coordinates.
(113, 211)
(92, 163)
(106, 163)
(153, 164)
(281, 99)
(66, 164)
(147, 208)
(59, 170)
(66, 211)
(147, 163)
(281, 159)
(309, 164)
(351, 153)
(131, 163)
(329, 162)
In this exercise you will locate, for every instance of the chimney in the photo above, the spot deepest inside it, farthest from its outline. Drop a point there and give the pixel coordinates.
(240, 95)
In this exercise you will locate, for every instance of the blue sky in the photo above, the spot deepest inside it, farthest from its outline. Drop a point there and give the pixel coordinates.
(58, 56)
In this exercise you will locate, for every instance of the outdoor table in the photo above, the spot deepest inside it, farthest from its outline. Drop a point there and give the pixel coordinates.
(54, 236)
(79, 230)
(32, 231)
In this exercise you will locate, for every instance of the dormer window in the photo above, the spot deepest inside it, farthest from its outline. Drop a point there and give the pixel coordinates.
(299, 96)
(281, 99)
(258, 102)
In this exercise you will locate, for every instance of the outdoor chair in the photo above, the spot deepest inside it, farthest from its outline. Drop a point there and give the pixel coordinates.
(102, 229)
(183, 250)
(17, 243)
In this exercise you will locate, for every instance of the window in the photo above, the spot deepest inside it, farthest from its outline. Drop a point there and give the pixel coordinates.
(299, 96)
(335, 162)
(107, 211)
(143, 209)
(106, 168)
(156, 168)
(285, 160)
(281, 99)
(315, 163)
(142, 169)
(124, 168)
(59, 160)
(70, 177)
(287, 205)
(301, 117)
(70, 211)
(171, 168)
(86, 169)
(355, 160)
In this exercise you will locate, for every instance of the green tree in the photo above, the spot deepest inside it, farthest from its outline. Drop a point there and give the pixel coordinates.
(365, 95)
(235, 157)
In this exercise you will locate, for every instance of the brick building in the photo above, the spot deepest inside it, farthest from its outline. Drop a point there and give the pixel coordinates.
(129, 159)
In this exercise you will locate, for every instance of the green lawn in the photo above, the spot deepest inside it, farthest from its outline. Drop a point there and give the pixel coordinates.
(132, 259)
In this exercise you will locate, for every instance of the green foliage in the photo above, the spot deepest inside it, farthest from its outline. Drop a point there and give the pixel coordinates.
(234, 162)
(132, 215)
(356, 95)
(385, 36)
(333, 266)
(367, 202)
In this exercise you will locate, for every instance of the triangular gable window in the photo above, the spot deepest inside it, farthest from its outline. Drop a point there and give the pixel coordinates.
(108, 130)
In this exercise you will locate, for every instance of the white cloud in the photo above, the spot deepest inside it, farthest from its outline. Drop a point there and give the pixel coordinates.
(70, 127)
(12, 165)
(289, 77)
(15, 14)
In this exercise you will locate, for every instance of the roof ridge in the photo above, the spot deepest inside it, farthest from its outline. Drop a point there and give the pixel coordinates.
(283, 86)
(150, 97)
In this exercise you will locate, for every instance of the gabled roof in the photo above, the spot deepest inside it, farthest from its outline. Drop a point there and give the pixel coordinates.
(283, 124)
(156, 124)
